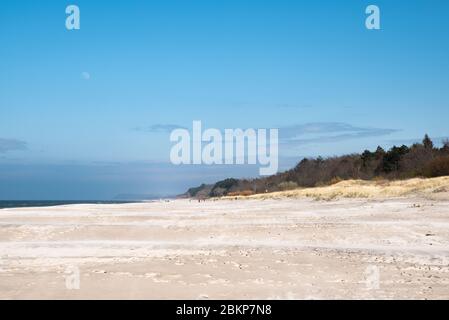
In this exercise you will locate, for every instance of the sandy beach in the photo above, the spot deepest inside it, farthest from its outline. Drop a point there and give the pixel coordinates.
(228, 249)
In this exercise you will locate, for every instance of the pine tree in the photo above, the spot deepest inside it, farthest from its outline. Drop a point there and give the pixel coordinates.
(380, 152)
(427, 142)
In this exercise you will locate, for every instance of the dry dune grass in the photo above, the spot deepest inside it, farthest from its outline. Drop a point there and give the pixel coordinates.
(427, 187)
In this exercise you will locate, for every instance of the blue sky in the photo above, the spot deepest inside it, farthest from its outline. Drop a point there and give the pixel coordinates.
(85, 114)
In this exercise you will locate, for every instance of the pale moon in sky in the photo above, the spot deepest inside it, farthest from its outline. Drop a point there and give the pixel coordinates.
(85, 75)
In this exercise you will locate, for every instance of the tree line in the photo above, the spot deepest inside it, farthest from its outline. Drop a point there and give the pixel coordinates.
(419, 160)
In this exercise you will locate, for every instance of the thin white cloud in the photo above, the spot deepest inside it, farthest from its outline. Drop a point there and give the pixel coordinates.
(326, 132)
(157, 128)
(11, 145)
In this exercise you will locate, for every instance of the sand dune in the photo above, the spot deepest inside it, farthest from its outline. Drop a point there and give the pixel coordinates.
(261, 247)
(435, 188)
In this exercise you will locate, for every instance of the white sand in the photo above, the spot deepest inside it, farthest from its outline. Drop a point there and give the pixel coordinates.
(262, 249)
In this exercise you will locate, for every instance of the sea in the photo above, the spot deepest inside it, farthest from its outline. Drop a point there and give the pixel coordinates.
(51, 203)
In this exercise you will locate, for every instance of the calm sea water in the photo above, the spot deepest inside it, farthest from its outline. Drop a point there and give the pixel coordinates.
(50, 203)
